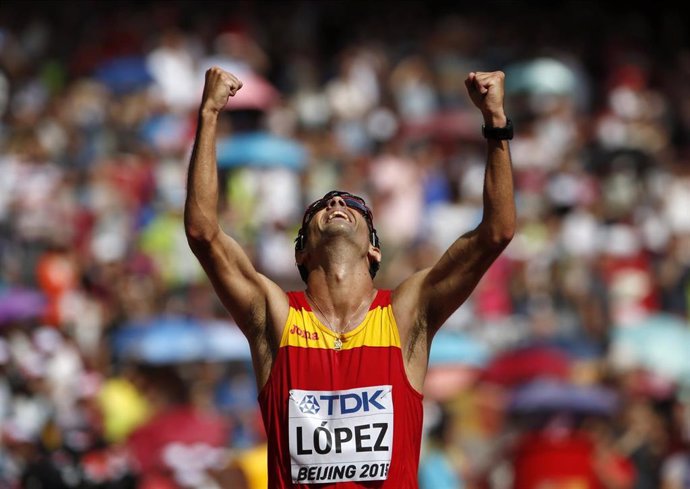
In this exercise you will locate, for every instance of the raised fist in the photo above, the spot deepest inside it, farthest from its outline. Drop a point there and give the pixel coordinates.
(218, 87)
(486, 89)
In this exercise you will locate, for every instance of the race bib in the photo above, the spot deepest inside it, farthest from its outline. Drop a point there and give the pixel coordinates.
(338, 436)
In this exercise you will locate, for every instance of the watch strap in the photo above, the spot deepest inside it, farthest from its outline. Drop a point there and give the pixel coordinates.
(500, 133)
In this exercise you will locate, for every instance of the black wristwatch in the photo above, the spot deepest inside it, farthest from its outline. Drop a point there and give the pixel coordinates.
(500, 133)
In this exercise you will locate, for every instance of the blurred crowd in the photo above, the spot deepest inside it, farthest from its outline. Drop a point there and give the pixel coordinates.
(569, 366)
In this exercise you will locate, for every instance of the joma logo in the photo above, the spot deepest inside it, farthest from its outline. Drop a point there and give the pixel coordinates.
(307, 335)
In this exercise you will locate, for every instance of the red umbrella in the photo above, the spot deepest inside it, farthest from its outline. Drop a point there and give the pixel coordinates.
(444, 382)
(446, 126)
(180, 443)
(543, 460)
(520, 365)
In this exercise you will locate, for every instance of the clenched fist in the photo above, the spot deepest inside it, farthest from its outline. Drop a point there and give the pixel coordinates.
(486, 89)
(219, 86)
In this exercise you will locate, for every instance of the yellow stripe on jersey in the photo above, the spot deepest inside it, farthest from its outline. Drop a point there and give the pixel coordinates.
(303, 329)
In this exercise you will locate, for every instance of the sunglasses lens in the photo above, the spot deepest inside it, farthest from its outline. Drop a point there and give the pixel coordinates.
(359, 205)
(352, 201)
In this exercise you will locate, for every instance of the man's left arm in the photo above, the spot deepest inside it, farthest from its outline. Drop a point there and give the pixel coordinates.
(450, 281)
(432, 295)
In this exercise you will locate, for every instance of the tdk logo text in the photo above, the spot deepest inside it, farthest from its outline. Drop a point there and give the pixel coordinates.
(348, 403)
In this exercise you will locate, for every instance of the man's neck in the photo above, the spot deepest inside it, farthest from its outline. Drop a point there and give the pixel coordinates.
(340, 292)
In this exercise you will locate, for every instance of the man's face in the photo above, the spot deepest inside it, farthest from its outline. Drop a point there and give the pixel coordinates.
(340, 215)
(337, 197)
(338, 212)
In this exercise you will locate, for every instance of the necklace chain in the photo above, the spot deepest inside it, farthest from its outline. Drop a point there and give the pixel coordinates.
(338, 341)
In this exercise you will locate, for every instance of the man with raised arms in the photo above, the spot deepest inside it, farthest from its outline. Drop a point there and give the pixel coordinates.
(340, 366)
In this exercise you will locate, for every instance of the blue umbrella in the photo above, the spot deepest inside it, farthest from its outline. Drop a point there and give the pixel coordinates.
(224, 341)
(173, 339)
(124, 75)
(260, 149)
(161, 340)
(540, 76)
(455, 360)
(552, 395)
(659, 343)
(457, 348)
(165, 131)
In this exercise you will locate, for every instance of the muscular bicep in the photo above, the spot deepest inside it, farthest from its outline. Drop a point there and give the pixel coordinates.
(423, 302)
(430, 296)
(448, 284)
(257, 304)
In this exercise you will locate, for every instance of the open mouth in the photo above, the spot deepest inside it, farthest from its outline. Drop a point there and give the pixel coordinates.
(338, 215)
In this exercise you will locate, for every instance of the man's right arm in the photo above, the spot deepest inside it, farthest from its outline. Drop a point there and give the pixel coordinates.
(258, 306)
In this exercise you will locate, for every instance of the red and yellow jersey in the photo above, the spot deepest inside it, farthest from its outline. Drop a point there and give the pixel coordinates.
(341, 412)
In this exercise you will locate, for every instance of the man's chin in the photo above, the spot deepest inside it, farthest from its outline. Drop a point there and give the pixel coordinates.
(338, 226)
(339, 231)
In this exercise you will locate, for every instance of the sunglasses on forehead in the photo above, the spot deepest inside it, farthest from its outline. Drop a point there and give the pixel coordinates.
(352, 201)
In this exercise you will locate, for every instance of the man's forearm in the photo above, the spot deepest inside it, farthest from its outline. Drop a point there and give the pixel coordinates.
(498, 224)
(201, 215)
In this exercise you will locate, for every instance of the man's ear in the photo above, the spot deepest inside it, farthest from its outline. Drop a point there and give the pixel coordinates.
(374, 254)
(374, 258)
(300, 260)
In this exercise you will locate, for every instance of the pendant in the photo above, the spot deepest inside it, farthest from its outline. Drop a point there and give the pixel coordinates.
(337, 344)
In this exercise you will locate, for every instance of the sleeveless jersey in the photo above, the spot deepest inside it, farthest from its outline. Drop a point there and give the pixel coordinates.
(344, 417)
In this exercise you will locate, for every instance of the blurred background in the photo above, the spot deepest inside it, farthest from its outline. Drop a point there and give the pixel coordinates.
(569, 366)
